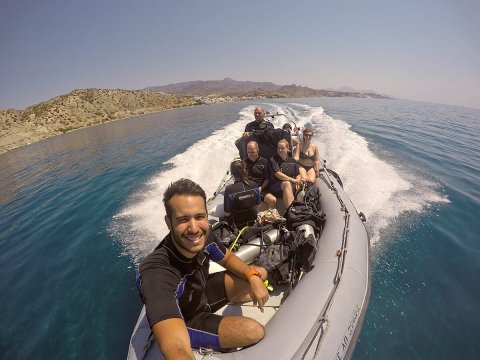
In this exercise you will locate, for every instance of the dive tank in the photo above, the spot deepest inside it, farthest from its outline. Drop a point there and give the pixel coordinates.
(250, 251)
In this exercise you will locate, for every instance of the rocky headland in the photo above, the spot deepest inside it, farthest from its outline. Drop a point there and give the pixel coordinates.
(78, 109)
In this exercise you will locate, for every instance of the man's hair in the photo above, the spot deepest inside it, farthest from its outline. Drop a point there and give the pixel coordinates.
(184, 187)
(254, 143)
(287, 126)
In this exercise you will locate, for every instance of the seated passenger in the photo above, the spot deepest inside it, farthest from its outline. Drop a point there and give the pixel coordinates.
(264, 134)
(293, 135)
(306, 154)
(286, 174)
(252, 128)
(258, 171)
(241, 199)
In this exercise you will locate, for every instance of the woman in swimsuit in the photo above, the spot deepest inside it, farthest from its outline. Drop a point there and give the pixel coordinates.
(307, 157)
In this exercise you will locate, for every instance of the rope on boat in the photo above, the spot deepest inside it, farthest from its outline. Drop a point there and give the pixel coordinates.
(341, 254)
(224, 181)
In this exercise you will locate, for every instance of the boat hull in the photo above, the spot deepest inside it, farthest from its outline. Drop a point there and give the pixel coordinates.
(321, 317)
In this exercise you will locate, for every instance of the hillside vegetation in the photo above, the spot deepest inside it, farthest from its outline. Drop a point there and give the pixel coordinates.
(79, 109)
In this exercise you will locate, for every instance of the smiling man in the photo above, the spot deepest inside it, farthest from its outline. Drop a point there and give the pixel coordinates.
(180, 295)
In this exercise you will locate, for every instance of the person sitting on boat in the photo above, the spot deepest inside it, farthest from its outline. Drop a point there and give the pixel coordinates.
(179, 294)
(293, 135)
(306, 154)
(286, 174)
(263, 132)
(258, 124)
(241, 199)
(258, 171)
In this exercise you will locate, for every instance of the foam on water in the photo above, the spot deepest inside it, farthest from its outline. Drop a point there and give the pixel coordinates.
(379, 189)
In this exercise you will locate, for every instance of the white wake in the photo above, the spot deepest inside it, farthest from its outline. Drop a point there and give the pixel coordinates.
(378, 189)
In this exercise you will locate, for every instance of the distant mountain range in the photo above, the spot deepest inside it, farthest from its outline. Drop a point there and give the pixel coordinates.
(231, 87)
(203, 88)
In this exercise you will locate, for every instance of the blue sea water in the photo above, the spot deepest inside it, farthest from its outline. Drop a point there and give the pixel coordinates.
(79, 211)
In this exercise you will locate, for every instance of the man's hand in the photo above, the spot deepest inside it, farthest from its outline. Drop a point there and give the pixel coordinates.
(258, 291)
(246, 134)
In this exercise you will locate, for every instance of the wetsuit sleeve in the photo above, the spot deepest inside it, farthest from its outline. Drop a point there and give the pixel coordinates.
(215, 249)
(161, 289)
(297, 169)
(258, 195)
(227, 200)
(274, 166)
(266, 172)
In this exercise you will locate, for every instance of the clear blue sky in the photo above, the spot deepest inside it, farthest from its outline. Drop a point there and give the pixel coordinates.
(411, 49)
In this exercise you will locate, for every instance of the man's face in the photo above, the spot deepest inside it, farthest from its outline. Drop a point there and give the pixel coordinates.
(259, 114)
(252, 152)
(188, 224)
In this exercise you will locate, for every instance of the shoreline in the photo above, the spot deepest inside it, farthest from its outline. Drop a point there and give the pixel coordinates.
(78, 110)
(89, 107)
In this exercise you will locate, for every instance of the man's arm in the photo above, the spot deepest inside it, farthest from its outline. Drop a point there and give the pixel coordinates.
(266, 177)
(173, 339)
(258, 292)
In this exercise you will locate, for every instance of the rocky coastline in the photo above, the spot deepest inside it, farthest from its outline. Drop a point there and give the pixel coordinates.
(88, 107)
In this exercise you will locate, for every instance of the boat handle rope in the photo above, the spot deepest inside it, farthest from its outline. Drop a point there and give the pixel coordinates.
(340, 267)
(341, 254)
(220, 187)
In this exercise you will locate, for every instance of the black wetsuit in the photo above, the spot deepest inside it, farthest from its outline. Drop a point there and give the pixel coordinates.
(240, 200)
(173, 286)
(255, 129)
(288, 167)
(258, 170)
(254, 125)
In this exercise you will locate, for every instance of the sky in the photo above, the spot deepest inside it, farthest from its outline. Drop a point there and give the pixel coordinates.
(424, 50)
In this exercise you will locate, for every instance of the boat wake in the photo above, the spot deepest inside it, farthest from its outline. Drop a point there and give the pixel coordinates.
(377, 187)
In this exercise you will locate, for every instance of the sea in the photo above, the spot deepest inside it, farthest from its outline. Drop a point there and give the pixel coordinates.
(79, 211)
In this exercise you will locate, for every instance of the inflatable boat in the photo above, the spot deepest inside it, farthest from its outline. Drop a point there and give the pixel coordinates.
(316, 310)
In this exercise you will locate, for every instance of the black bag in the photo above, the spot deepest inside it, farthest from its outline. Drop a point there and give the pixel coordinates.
(273, 256)
(224, 233)
(299, 213)
(306, 251)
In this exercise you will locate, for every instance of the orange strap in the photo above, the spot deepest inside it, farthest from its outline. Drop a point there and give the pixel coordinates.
(252, 272)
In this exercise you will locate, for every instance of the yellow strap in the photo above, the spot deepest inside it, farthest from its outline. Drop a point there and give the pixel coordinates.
(238, 237)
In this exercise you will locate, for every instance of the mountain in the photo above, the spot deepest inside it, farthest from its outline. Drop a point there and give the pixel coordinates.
(237, 90)
(209, 87)
(352, 90)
